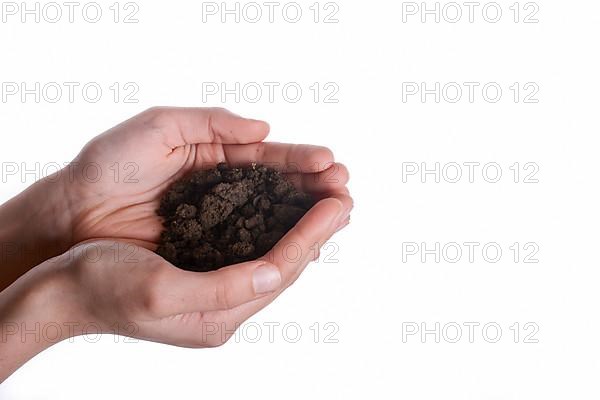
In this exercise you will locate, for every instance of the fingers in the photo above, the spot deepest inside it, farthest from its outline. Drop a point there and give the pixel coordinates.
(177, 291)
(311, 233)
(330, 180)
(187, 125)
(312, 169)
(301, 244)
(300, 158)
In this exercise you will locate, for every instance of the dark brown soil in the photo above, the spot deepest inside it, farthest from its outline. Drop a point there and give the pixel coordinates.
(223, 216)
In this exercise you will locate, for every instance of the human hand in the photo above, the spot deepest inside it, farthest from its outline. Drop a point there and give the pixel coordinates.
(141, 157)
(122, 288)
(119, 284)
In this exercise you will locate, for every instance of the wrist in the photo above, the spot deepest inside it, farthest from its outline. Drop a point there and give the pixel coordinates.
(37, 311)
(34, 226)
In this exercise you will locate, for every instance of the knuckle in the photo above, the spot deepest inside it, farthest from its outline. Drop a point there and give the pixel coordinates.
(320, 153)
(217, 110)
(154, 110)
(157, 116)
(222, 296)
(90, 254)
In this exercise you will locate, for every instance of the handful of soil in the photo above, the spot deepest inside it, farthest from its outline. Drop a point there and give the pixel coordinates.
(224, 216)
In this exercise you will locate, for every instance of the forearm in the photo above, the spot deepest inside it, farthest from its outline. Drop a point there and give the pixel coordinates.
(33, 228)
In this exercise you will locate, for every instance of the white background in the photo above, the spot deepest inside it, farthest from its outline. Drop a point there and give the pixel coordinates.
(370, 294)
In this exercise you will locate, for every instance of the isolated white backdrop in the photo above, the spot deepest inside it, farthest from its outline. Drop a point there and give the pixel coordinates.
(172, 56)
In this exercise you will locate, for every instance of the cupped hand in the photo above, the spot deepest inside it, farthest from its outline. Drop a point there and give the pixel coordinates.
(119, 287)
(116, 182)
(158, 147)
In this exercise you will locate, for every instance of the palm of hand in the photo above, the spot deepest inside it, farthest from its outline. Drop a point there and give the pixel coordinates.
(121, 174)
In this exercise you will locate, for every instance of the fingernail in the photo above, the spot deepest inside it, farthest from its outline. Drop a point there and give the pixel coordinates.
(266, 278)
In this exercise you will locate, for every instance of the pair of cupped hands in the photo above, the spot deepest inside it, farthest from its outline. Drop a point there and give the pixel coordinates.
(101, 231)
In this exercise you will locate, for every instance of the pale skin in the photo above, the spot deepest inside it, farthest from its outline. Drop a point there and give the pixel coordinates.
(78, 246)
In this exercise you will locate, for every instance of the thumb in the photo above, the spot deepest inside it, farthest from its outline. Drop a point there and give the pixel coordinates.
(224, 289)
